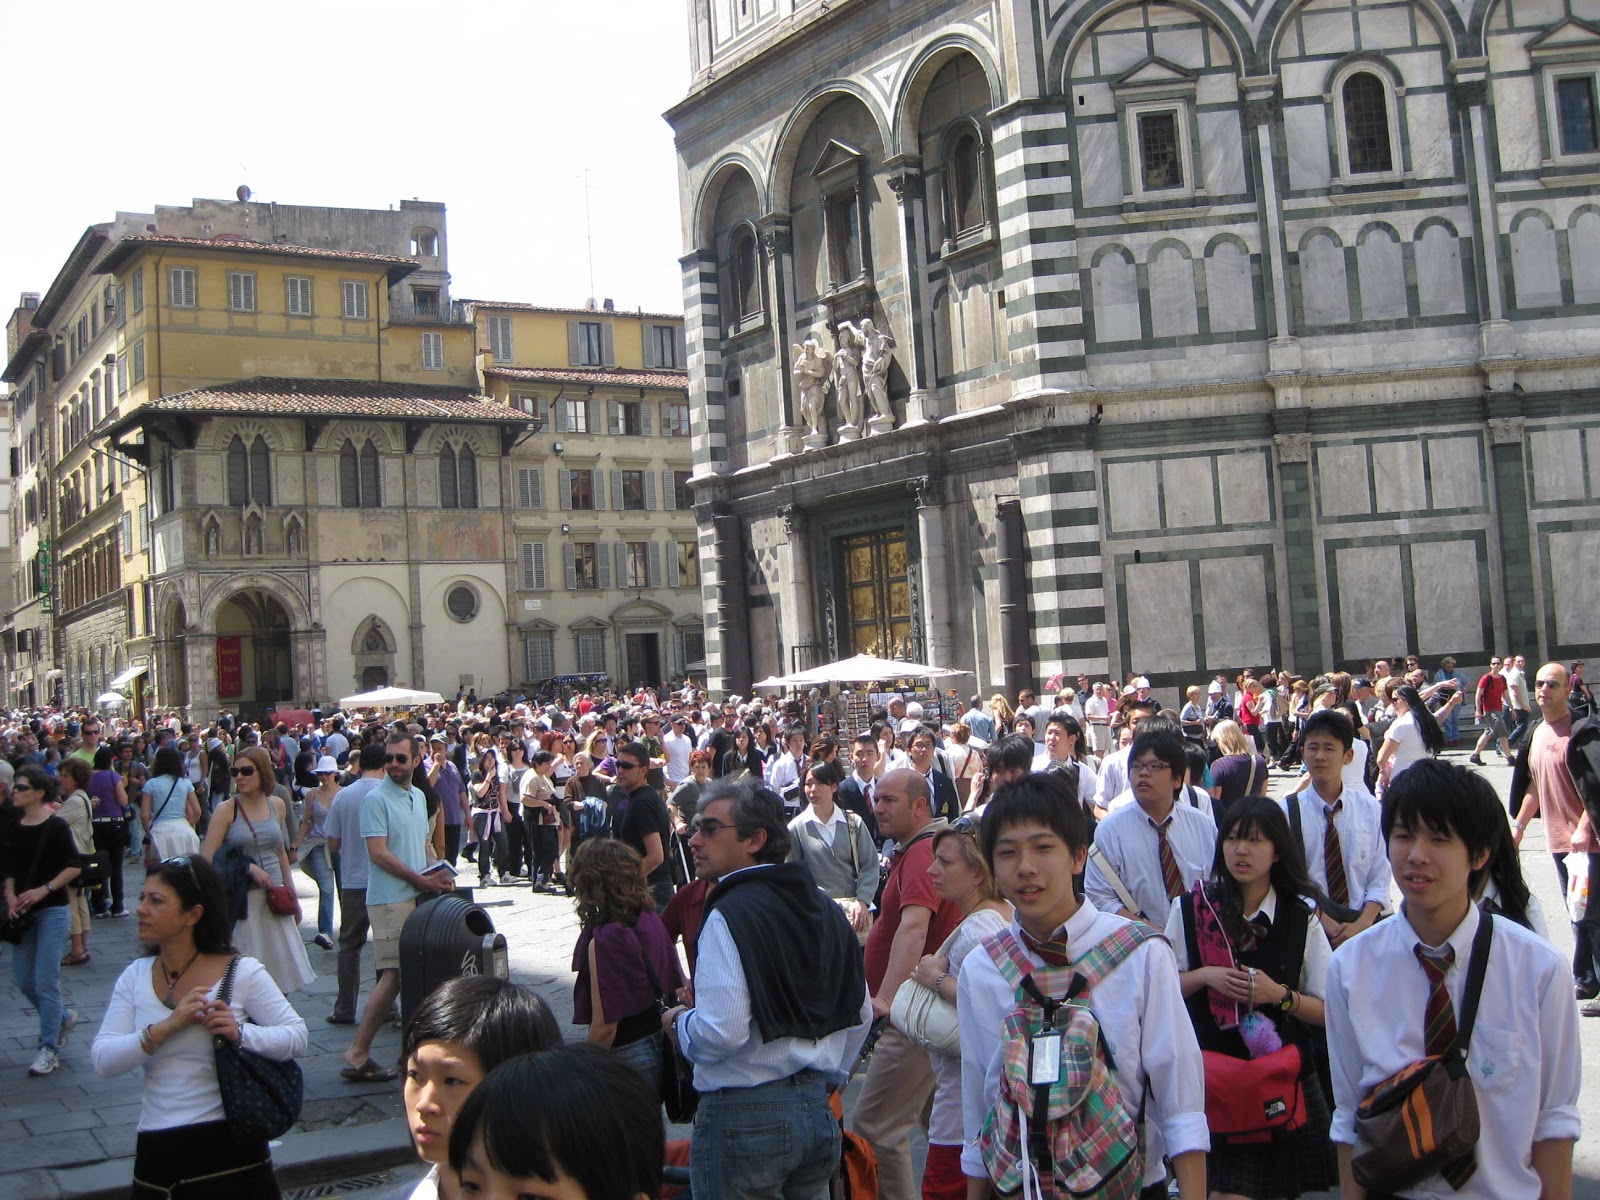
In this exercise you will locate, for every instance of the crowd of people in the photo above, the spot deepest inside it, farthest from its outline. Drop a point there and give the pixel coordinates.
(765, 908)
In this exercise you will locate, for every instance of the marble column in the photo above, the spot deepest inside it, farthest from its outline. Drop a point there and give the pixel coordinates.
(732, 610)
(937, 586)
(777, 243)
(1497, 338)
(799, 606)
(916, 349)
(702, 323)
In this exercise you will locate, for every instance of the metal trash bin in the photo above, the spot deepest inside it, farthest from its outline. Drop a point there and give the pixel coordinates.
(445, 937)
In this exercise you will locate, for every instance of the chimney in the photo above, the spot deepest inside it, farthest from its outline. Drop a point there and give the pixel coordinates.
(611, 305)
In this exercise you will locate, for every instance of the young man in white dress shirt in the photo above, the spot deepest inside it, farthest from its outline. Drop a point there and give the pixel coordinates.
(1036, 843)
(1157, 846)
(1440, 823)
(1327, 744)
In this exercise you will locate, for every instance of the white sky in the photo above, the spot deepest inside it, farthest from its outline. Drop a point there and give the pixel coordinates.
(494, 107)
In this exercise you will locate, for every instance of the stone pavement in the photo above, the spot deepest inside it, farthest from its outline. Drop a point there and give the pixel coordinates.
(71, 1134)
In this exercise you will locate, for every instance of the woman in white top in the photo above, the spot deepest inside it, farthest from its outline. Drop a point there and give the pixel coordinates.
(961, 876)
(1413, 736)
(163, 1014)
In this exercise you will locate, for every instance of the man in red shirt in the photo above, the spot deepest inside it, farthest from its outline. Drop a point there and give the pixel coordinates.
(1487, 704)
(912, 922)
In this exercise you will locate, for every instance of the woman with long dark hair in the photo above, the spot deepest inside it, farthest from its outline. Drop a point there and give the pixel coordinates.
(169, 809)
(623, 955)
(1413, 736)
(164, 1013)
(110, 831)
(38, 860)
(1249, 947)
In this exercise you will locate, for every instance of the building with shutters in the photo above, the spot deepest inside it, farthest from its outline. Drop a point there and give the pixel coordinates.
(1226, 333)
(607, 578)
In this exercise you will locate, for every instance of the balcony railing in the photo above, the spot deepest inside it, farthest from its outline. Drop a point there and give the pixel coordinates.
(432, 314)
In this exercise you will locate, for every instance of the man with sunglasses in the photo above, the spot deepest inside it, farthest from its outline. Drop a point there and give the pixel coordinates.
(645, 823)
(394, 826)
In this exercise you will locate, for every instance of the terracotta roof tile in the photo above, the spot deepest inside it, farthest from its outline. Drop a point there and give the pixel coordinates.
(335, 398)
(397, 265)
(513, 306)
(649, 377)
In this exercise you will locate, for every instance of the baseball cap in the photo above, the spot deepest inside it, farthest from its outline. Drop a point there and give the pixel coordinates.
(1361, 681)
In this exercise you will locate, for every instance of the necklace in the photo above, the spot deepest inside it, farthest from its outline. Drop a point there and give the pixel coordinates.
(172, 977)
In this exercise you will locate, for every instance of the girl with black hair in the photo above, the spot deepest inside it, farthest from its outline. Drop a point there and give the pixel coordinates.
(162, 1017)
(1246, 942)
(1413, 736)
(465, 1028)
(1502, 889)
(573, 1123)
(110, 830)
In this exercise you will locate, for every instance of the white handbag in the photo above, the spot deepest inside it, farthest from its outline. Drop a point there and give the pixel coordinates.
(925, 1017)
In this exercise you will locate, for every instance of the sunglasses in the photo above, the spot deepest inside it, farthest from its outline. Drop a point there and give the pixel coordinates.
(628, 766)
(401, 759)
(183, 861)
(23, 785)
(708, 826)
(237, 771)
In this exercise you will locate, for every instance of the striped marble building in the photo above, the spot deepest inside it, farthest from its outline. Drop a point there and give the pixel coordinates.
(1226, 333)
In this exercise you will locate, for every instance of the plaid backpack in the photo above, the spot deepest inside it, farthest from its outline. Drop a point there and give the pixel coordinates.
(1088, 1144)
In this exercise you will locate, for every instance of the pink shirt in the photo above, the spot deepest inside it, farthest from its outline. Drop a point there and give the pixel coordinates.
(1550, 781)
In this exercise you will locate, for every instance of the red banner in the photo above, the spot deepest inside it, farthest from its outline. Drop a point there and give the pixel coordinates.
(230, 667)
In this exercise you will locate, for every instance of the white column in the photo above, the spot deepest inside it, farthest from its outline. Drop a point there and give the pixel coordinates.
(936, 584)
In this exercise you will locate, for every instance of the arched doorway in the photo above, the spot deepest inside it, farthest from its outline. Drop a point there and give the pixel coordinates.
(255, 670)
(174, 656)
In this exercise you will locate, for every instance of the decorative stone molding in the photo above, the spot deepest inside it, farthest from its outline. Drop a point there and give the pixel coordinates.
(1292, 447)
(1506, 431)
(928, 490)
(907, 186)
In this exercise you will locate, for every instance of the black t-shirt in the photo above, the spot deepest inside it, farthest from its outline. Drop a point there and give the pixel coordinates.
(59, 852)
(647, 813)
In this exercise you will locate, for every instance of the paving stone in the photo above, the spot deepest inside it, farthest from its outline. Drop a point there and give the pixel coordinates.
(63, 1122)
(118, 1141)
(61, 1150)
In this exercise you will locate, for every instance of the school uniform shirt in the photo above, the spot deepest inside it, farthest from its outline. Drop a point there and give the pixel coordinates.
(1361, 842)
(1113, 776)
(1132, 847)
(1140, 1008)
(1193, 796)
(1524, 1058)
(1313, 979)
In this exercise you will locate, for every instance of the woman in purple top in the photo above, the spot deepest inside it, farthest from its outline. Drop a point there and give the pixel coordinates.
(110, 831)
(615, 995)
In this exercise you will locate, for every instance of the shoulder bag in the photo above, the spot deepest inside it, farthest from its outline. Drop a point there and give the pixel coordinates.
(92, 866)
(855, 866)
(924, 1016)
(1115, 880)
(260, 1096)
(152, 856)
(1423, 1119)
(677, 1073)
(14, 929)
(282, 901)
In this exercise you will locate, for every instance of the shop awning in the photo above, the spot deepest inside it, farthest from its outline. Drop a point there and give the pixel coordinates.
(124, 678)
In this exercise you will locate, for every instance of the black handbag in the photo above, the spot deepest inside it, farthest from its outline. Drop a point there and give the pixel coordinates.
(678, 1096)
(92, 867)
(260, 1097)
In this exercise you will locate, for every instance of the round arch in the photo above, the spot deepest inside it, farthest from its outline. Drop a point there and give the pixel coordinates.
(721, 174)
(926, 66)
(1082, 22)
(799, 123)
(1445, 18)
(284, 593)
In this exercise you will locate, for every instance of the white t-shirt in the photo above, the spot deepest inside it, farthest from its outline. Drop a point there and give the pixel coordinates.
(1408, 747)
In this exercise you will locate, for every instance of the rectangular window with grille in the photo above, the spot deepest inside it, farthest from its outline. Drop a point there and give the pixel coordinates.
(122, 375)
(681, 496)
(842, 220)
(590, 344)
(144, 527)
(138, 361)
(181, 285)
(1575, 114)
(675, 418)
(242, 291)
(355, 300)
(580, 490)
(633, 491)
(577, 413)
(530, 488)
(127, 535)
(591, 652)
(636, 557)
(297, 295)
(664, 346)
(1160, 157)
(433, 351)
(539, 656)
(533, 574)
(500, 338)
(585, 566)
(136, 283)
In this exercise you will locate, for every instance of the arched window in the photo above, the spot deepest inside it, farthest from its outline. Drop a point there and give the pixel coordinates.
(358, 476)
(467, 467)
(964, 184)
(249, 472)
(424, 243)
(449, 495)
(747, 274)
(1368, 139)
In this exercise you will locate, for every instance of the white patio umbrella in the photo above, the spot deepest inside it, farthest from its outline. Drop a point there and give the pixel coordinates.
(111, 698)
(391, 697)
(862, 668)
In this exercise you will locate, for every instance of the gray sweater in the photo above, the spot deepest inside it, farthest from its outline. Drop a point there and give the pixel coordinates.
(834, 868)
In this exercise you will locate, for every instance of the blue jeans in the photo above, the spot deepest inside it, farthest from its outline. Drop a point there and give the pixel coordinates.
(761, 1143)
(314, 862)
(36, 968)
(644, 1056)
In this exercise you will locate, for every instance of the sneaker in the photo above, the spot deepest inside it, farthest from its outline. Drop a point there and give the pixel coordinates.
(487, 880)
(44, 1062)
(1474, 759)
(522, 874)
(119, 912)
(1589, 1009)
(323, 940)
(69, 1022)
(506, 880)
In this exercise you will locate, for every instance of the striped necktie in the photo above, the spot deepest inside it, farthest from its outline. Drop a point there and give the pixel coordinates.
(1439, 1035)
(1333, 857)
(1052, 950)
(1171, 877)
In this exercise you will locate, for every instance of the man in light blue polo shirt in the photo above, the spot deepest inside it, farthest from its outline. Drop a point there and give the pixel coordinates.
(394, 825)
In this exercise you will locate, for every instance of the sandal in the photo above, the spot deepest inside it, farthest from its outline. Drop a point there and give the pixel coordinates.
(75, 960)
(369, 1072)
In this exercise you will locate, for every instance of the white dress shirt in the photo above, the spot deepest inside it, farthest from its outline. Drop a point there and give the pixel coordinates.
(1194, 796)
(1088, 781)
(1365, 853)
(1140, 1008)
(825, 829)
(1132, 847)
(784, 773)
(1524, 1060)
(1313, 979)
(1113, 776)
(720, 1037)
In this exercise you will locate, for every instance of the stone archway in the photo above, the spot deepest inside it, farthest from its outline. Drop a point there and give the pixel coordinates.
(173, 663)
(373, 651)
(255, 660)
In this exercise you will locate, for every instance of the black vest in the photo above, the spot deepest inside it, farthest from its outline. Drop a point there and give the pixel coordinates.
(1280, 955)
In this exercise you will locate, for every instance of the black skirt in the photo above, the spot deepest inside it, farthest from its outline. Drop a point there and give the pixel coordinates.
(201, 1162)
(1303, 1161)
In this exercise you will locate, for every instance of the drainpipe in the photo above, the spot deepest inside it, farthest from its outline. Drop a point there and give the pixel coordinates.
(1016, 654)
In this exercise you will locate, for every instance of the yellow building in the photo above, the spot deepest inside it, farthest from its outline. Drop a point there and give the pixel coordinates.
(607, 579)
